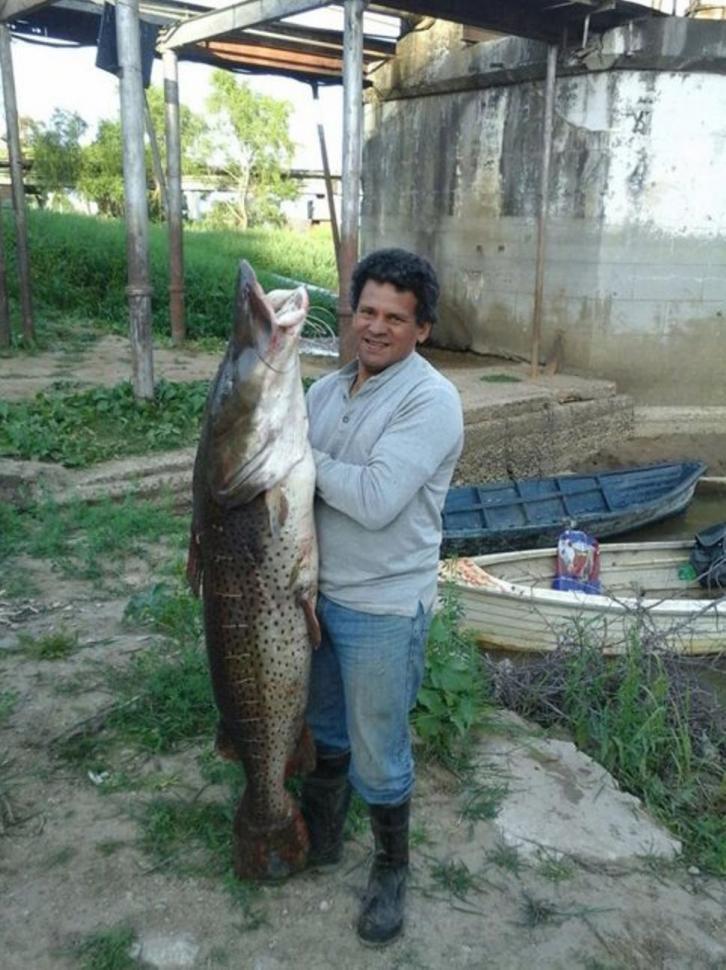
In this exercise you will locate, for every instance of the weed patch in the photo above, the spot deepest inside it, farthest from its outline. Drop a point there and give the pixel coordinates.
(164, 699)
(174, 613)
(56, 645)
(646, 721)
(8, 702)
(80, 428)
(88, 541)
(451, 701)
(500, 379)
(107, 950)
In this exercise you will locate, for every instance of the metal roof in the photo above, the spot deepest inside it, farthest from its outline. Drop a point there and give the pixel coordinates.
(290, 46)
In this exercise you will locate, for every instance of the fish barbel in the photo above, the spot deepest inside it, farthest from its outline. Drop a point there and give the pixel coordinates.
(254, 554)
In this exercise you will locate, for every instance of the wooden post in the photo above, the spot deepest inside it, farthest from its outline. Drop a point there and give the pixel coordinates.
(137, 211)
(543, 205)
(156, 158)
(328, 183)
(352, 142)
(5, 339)
(16, 173)
(174, 197)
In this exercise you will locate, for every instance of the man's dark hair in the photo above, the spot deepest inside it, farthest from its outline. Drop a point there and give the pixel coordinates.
(405, 271)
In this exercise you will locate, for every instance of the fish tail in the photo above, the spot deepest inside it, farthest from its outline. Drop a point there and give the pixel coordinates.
(304, 757)
(269, 854)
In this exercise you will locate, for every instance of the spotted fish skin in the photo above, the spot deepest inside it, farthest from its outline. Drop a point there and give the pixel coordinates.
(253, 551)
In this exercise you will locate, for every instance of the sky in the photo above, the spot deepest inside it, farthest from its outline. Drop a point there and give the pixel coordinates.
(47, 78)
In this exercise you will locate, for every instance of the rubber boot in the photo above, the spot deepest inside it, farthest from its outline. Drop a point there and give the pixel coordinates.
(381, 918)
(324, 802)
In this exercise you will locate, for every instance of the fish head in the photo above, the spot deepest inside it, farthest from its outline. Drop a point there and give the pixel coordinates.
(255, 423)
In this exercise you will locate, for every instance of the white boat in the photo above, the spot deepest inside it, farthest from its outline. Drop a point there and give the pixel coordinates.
(508, 602)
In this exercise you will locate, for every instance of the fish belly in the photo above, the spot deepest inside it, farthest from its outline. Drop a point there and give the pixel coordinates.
(259, 564)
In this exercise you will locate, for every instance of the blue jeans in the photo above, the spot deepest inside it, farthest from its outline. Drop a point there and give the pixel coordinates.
(363, 682)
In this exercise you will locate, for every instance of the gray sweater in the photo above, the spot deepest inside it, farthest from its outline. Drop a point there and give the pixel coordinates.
(384, 459)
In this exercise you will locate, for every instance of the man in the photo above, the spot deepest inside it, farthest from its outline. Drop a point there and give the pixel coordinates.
(386, 432)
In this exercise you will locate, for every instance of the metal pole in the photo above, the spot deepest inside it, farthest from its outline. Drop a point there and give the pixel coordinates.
(16, 173)
(137, 212)
(543, 204)
(174, 212)
(4, 309)
(156, 158)
(352, 141)
(328, 182)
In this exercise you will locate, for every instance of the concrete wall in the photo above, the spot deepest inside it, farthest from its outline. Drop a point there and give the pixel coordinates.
(636, 246)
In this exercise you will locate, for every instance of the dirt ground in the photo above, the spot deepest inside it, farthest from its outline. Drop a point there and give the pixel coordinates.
(72, 861)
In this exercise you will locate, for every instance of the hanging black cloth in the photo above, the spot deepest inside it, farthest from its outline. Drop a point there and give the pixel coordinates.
(107, 52)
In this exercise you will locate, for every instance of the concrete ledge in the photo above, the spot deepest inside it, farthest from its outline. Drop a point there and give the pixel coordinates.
(651, 421)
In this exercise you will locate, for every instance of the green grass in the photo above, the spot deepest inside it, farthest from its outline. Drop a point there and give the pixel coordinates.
(501, 378)
(483, 802)
(107, 950)
(78, 266)
(79, 428)
(164, 699)
(175, 613)
(8, 702)
(55, 645)
(88, 541)
(632, 713)
(454, 877)
(506, 857)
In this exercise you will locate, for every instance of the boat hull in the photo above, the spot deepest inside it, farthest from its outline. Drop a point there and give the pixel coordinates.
(531, 513)
(516, 610)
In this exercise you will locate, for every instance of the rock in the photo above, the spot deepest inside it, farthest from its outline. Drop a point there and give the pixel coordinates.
(561, 800)
(165, 951)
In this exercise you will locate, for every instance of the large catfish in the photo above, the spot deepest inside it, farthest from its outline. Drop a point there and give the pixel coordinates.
(253, 551)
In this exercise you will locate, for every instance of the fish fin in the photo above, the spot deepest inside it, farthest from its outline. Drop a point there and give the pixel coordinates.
(304, 757)
(277, 509)
(194, 564)
(311, 620)
(269, 853)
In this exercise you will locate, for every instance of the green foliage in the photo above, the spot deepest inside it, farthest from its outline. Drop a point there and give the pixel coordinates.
(56, 151)
(625, 712)
(78, 428)
(107, 950)
(175, 613)
(164, 699)
(79, 269)
(8, 703)
(85, 540)
(249, 141)
(451, 700)
(101, 175)
(56, 645)
(501, 378)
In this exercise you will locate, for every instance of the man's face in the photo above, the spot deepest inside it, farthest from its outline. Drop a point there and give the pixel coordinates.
(385, 327)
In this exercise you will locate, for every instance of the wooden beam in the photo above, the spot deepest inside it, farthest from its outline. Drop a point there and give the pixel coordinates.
(136, 206)
(10, 9)
(238, 16)
(16, 169)
(352, 151)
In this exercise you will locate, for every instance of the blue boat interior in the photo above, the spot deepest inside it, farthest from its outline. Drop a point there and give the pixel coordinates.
(533, 502)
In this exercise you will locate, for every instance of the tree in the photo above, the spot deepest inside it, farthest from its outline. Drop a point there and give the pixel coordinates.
(102, 176)
(101, 179)
(249, 142)
(56, 151)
